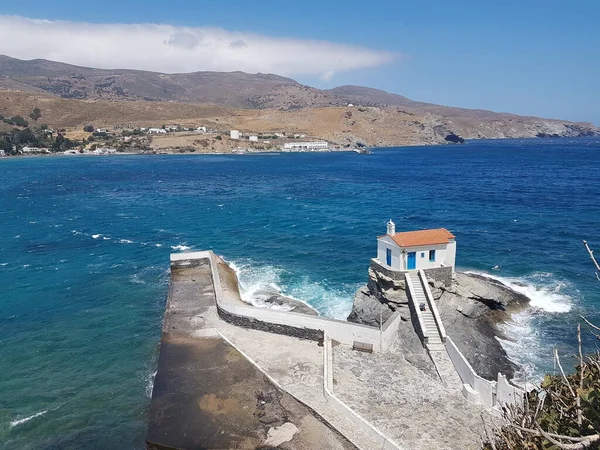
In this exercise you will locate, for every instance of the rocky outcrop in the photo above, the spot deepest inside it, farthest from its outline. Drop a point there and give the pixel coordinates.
(377, 301)
(274, 299)
(471, 309)
(368, 310)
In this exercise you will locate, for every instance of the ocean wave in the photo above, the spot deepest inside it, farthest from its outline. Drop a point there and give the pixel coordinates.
(180, 247)
(23, 420)
(545, 291)
(334, 303)
(135, 278)
(259, 282)
(96, 236)
(125, 241)
(151, 275)
(150, 383)
(525, 346)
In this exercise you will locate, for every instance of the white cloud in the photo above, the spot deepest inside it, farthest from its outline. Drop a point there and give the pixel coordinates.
(167, 48)
(327, 75)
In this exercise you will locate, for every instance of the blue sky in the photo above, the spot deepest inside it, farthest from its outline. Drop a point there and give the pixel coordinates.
(528, 57)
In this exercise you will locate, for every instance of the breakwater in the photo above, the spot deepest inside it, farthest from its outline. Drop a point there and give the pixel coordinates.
(208, 394)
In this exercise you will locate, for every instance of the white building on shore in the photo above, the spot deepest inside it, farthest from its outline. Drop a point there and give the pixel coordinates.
(413, 250)
(234, 134)
(306, 146)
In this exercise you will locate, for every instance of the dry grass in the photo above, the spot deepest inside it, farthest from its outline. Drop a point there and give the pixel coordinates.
(372, 126)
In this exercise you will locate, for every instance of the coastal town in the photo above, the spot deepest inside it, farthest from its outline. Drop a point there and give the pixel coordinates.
(23, 139)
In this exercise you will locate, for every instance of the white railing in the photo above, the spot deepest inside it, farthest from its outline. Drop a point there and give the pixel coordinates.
(412, 298)
(389, 330)
(476, 389)
(432, 305)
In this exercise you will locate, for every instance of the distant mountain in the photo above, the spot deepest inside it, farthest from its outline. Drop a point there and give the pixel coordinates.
(268, 91)
(233, 89)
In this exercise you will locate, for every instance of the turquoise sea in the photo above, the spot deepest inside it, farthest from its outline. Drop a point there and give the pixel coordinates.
(85, 244)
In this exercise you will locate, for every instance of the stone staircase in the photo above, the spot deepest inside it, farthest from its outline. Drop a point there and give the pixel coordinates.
(435, 343)
(435, 346)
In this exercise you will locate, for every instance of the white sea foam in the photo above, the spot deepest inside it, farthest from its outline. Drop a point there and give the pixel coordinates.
(258, 282)
(96, 236)
(524, 346)
(125, 241)
(3, 264)
(150, 383)
(135, 278)
(549, 296)
(23, 420)
(105, 238)
(333, 303)
(180, 247)
(546, 292)
(158, 245)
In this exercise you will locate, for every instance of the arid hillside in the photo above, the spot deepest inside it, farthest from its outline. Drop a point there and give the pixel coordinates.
(371, 126)
(377, 117)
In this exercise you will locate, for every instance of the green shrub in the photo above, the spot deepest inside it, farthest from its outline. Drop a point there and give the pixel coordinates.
(35, 114)
(19, 121)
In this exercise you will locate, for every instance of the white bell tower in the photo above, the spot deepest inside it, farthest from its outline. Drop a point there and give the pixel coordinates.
(391, 228)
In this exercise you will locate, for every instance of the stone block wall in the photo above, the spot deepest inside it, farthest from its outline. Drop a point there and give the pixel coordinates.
(255, 324)
(440, 274)
(397, 275)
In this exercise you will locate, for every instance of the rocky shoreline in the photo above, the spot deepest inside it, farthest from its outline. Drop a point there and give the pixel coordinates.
(471, 310)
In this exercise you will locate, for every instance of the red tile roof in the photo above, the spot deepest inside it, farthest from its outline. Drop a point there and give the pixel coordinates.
(422, 237)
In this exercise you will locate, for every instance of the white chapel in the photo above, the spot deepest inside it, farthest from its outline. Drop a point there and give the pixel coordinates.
(414, 250)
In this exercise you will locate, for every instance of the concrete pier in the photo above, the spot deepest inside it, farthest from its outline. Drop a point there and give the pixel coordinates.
(209, 395)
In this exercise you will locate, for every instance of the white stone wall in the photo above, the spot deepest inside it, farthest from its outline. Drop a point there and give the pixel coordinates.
(384, 243)
(422, 254)
(451, 254)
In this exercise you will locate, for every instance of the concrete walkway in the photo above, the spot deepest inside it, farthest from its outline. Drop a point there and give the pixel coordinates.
(208, 394)
(411, 407)
(446, 371)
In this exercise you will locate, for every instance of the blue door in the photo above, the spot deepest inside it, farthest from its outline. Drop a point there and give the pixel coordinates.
(388, 256)
(412, 260)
